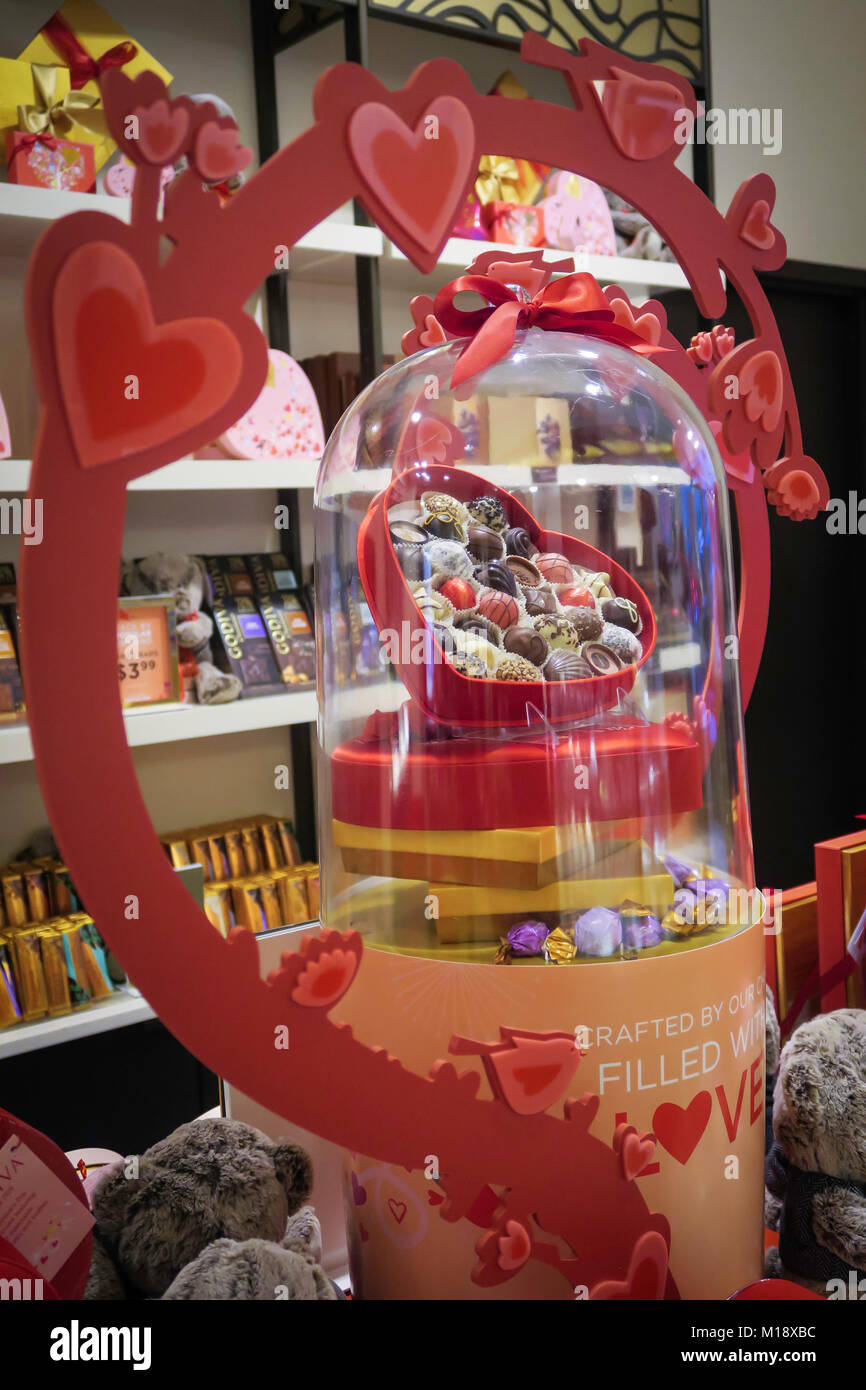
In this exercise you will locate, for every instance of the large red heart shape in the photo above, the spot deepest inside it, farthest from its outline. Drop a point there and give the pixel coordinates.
(130, 384)
(647, 1273)
(680, 1130)
(641, 115)
(417, 177)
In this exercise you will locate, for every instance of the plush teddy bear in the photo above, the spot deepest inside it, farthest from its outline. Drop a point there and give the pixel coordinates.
(817, 1165)
(185, 577)
(216, 1210)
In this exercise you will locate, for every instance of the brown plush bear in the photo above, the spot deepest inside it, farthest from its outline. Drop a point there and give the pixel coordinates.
(816, 1168)
(216, 1210)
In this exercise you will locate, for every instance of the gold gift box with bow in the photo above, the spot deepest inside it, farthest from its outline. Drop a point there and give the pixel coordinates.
(28, 88)
(97, 33)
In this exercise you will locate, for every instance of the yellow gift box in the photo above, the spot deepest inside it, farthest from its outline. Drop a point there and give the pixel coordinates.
(26, 86)
(97, 34)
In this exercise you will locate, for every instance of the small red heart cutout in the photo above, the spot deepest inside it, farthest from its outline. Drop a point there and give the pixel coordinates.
(680, 1130)
(130, 384)
(756, 229)
(647, 1273)
(416, 177)
(637, 1150)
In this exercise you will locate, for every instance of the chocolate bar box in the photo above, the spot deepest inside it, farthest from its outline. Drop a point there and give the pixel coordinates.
(243, 646)
(271, 574)
(228, 575)
(291, 637)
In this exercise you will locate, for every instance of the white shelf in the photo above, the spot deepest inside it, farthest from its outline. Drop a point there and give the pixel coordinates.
(195, 475)
(173, 725)
(326, 254)
(126, 1006)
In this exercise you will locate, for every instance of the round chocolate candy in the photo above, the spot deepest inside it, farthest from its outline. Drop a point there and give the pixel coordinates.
(557, 632)
(554, 567)
(412, 560)
(458, 592)
(484, 543)
(482, 626)
(601, 659)
(439, 503)
(497, 575)
(514, 668)
(472, 645)
(622, 643)
(445, 637)
(469, 665)
(576, 596)
(448, 557)
(566, 665)
(432, 605)
(490, 511)
(500, 608)
(524, 571)
(519, 542)
(407, 531)
(622, 613)
(539, 601)
(525, 642)
(444, 527)
(586, 622)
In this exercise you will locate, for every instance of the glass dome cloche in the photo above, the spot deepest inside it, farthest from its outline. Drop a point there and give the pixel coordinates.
(531, 734)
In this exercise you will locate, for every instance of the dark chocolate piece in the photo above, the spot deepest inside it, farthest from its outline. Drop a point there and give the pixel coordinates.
(519, 542)
(539, 601)
(498, 576)
(586, 621)
(484, 543)
(525, 572)
(603, 661)
(526, 642)
(623, 613)
(445, 528)
(483, 626)
(566, 665)
(490, 511)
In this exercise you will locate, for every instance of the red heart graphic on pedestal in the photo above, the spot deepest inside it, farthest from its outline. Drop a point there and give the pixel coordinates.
(130, 384)
(417, 177)
(647, 1273)
(678, 1130)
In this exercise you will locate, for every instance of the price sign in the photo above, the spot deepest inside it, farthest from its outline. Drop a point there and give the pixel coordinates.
(147, 666)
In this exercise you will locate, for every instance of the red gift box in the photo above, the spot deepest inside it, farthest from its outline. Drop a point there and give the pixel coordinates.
(46, 161)
(514, 224)
(840, 867)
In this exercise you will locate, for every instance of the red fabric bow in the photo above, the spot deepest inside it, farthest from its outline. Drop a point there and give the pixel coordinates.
(26, 142)
(574, 304)
(83, 68)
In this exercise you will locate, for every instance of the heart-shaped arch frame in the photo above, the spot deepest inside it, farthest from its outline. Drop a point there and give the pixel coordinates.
(132, 309)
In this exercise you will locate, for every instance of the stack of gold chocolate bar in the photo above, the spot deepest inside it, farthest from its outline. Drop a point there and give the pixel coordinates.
(52, 958)
(252, 874)
(481, 882)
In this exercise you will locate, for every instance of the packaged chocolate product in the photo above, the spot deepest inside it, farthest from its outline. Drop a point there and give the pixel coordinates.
(219, 857)
(28, 971)
(177, 850)
(76, 966)
(291, 853)
(235, 853)
(12, 707)
(94, 958)
(269, 831)
(54, 969)
(253, 853)
(63, 895)
(248, 904)
(243, 646)
(311, 876)
(36, 888)
(10, 1009)
(291, 637)
(199, 848)
(293, 898)
(271, 900)
(218, 906)
(14, 898)
(270, 574)
(229, 576)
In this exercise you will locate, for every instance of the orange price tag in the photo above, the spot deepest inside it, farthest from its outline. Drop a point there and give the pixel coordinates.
(146, 653)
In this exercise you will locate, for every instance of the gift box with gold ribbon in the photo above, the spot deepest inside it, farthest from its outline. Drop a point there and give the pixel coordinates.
(82, 41)
(46, 161)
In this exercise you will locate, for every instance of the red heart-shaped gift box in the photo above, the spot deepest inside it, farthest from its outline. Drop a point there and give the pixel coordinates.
(442, 691)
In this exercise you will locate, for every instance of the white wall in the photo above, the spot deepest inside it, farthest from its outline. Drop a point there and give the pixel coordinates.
(808, 60)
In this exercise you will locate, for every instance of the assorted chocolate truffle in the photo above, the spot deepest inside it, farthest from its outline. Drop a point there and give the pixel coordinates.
(497, 575)
(448, 558)
(554, 567)
(603, 661)
(566, 665)
(586, 623)
(557, 632)
(539, 601)
(519, 542)
(622, 612)
(458, 592)
(622, 643)
(484, 543)
(524, 571)
(526, 643)
(514, 668)
(490, 511)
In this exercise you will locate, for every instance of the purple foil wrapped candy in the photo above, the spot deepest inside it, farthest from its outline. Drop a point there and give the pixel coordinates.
(678, 871)
(527, 938)
(712, 900)
(686, 904)
(598, 932)
(640, 928)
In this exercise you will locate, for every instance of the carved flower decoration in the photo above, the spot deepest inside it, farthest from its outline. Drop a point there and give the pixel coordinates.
(797, 488)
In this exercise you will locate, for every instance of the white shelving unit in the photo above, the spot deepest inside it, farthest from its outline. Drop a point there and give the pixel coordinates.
(124, 1007)
(195, 475)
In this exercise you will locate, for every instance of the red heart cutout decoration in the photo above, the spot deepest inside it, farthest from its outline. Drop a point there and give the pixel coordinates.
(762, 389)
(161, 131)
(647, 1273)
(680, 1131)
(128, 383)
(637, 1150)
(756, 229)
(641, 115)
(417, 181)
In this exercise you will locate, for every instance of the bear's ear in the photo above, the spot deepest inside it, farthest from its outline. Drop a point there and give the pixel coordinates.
(113, 1194)
(204, 578)
(295, 1172)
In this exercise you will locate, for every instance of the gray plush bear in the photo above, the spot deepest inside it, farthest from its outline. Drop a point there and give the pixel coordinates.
(816, 1168)
(214, 1209)
(185, 577)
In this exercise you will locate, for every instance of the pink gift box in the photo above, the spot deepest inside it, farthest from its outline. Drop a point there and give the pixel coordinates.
(46, 161)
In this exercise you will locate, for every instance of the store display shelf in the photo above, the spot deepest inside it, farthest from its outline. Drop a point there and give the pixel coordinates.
(183, 722)
(126, 1006)
(397, 271)
(196, 475)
